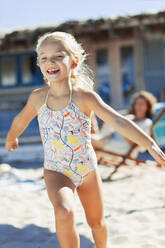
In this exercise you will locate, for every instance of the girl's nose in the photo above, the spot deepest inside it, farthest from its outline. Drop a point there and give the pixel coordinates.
(53, 59)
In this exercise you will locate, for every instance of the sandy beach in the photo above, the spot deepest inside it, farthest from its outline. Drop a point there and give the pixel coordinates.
(134, 209)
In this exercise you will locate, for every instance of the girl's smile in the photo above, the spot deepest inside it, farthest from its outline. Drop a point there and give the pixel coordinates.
(52, 71)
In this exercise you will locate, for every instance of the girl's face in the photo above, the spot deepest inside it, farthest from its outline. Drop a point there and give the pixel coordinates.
(140, 108)
(54, 61)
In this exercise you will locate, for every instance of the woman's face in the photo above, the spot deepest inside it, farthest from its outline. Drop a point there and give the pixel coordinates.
(54, 61)
(140, 108)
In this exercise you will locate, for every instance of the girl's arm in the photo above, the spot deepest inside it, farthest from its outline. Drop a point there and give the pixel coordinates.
(123, 125)
(94, 126)
(20, 122)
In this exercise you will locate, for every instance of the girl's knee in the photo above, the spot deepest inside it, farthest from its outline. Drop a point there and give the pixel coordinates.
(64, 213)
(97, 223)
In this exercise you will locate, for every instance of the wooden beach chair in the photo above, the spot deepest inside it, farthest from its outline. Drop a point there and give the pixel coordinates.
(114, 159)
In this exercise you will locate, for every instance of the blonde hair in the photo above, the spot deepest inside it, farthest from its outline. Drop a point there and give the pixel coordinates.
(150, 100)
(82, 75)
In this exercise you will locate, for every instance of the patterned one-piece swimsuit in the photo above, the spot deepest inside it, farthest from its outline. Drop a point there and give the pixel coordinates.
(66, 137)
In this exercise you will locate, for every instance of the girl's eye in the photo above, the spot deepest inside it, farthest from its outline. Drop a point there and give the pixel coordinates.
(59, 56)
(43, 59)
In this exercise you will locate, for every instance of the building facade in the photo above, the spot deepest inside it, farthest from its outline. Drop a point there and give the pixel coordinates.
(126, 54)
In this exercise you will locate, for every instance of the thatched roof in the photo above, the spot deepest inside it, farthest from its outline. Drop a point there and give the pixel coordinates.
(91, 28)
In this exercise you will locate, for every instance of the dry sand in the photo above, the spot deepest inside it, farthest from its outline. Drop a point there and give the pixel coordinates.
(134, 210)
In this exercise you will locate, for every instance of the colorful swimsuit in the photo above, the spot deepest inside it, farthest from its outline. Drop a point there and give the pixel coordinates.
(67, 144)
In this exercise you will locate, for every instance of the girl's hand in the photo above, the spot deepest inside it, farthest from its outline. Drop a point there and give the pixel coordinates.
(11, 145)
(157, 154)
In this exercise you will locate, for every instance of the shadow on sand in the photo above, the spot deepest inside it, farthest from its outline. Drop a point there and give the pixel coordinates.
(32, 236)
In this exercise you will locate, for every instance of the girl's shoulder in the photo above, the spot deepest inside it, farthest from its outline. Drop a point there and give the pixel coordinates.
(77, 94)
(83, 94)
(79, 97)
(37, 96)
(40, 91)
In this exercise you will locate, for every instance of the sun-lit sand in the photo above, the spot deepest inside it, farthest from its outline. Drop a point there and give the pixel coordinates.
(134, 209)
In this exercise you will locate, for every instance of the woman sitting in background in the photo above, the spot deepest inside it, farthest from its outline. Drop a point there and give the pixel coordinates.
(140, 112)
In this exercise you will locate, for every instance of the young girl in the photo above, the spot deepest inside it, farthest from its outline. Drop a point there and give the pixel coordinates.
(64, 108)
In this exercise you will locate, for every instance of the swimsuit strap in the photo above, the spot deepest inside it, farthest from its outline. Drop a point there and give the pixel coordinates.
(46, 98)
(70, 98)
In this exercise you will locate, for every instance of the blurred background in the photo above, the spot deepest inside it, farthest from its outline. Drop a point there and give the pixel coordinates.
(125, 41)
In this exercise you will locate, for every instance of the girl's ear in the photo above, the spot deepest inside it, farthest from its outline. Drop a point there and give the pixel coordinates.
(75, 62)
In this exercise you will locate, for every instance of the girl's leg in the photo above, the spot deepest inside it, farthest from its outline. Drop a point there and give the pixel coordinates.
(90, 194)
(61, 194)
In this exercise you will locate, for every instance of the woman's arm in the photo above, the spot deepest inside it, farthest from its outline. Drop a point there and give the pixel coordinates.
(123, 125)
(20, 122)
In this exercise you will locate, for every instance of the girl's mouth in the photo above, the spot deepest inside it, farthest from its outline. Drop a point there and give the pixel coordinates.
(52, 71)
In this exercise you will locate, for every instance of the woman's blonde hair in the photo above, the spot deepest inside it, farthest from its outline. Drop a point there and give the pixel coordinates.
(82, 75)
(150, 100)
